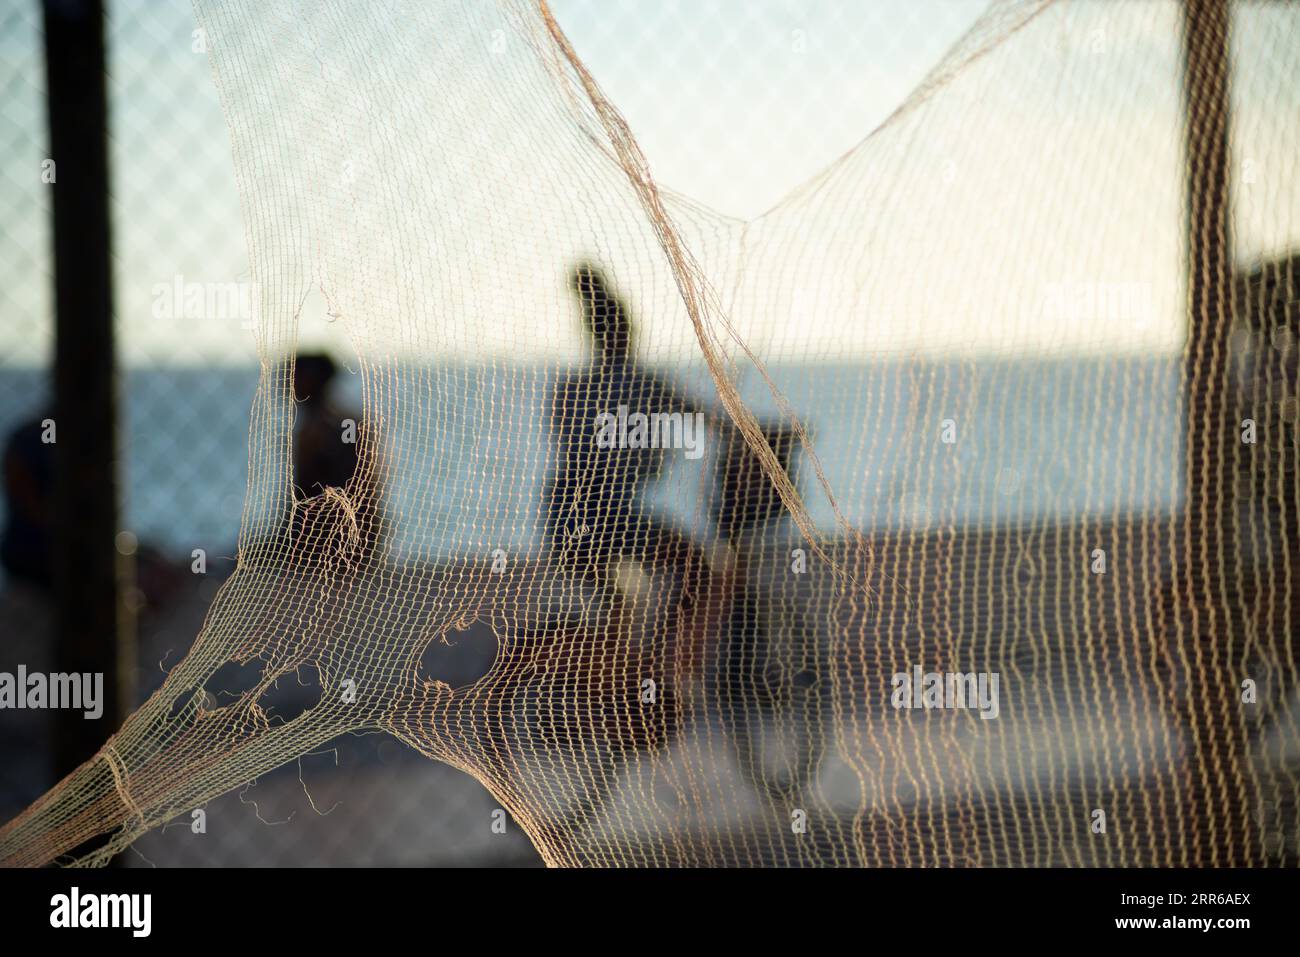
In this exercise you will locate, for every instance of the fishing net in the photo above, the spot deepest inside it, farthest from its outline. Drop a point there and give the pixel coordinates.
(944, 514)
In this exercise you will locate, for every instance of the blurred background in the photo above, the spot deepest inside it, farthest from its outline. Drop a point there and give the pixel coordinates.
(732, 109)
(183, 376)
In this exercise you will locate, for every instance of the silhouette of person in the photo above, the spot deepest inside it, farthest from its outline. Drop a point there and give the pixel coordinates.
(589, 498)
(26, 544)
(321, 456)
(328, 439)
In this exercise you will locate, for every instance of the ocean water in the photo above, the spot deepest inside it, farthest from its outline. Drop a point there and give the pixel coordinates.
(467, 452)
(183, 468)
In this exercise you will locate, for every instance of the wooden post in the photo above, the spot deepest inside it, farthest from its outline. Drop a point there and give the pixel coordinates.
(1209, 630)
(85, 559)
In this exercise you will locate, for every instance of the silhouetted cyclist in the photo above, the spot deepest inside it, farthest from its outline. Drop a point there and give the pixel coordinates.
(590, 496)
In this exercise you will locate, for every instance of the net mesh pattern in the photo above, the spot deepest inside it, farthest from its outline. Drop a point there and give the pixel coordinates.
(1009, 389)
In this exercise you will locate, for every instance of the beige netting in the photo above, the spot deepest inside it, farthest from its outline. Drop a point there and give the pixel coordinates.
(993, 395)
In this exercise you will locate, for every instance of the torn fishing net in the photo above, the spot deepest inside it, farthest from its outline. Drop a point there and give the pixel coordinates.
(944, 514)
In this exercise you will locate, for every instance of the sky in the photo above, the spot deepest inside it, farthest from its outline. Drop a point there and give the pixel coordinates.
(734, 110)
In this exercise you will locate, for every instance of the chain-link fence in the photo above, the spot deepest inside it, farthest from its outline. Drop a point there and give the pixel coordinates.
(187, 370)
(26, 325)
(188, 363)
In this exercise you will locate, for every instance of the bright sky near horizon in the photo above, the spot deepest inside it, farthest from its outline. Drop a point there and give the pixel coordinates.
(684, 72)
(734, 110)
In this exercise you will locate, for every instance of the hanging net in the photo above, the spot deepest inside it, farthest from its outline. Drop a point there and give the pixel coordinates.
(944, 514)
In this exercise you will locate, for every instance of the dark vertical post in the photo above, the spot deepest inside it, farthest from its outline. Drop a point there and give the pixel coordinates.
(1209, 639)
(85, 485)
